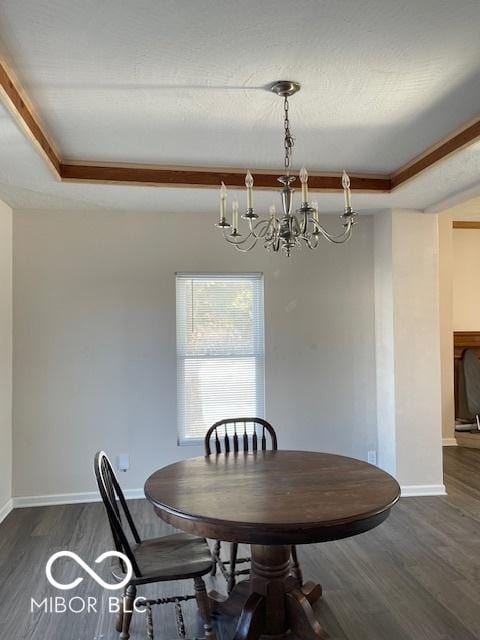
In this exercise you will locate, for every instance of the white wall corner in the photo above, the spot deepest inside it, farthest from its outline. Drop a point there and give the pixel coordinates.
(417, 351)
(384, 342)
(6, 352)
(6, 509)
(446, 267)
(407, 324)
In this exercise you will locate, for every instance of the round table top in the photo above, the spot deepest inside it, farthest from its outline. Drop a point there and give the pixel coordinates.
(273, 497)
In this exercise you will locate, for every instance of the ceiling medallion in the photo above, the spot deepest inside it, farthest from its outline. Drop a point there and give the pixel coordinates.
(288, 231)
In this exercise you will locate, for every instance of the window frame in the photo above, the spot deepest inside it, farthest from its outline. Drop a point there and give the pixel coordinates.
(182, 439)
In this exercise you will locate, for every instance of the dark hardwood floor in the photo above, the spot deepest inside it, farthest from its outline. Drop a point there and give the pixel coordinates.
(416, 577)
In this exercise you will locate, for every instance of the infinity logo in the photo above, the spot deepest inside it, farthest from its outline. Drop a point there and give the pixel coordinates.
(86, 568)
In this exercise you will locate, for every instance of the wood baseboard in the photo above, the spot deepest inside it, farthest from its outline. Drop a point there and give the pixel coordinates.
(417, 490)
(69, 498)
(449, 442)
(468, 439)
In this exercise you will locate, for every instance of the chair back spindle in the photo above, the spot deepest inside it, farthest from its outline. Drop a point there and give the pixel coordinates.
(255, 432)
(235, 438)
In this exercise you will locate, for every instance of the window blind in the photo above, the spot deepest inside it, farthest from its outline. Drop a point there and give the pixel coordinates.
(220, 350)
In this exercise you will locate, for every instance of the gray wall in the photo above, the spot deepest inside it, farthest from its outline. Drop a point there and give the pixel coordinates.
(5, 355)
(94, 342)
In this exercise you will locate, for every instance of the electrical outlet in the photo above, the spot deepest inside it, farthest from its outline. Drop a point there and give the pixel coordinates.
(372, 457)
(123, 461)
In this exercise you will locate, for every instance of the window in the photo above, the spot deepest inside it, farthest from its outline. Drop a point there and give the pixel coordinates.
(220, 350)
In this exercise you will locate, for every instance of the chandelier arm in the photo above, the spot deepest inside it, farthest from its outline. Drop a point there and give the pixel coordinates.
(338, 239)
(307, 237)
(262, 224)
(246, 249)
(297, 227)
(272, 235)
(271, 242)
(236, 242)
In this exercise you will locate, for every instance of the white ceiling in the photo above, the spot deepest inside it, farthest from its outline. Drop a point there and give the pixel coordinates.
(180, 82)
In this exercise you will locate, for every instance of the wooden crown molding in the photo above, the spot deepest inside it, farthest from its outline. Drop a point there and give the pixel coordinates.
(206, 177)
(17, 103)
(458, 140)
(466, 224)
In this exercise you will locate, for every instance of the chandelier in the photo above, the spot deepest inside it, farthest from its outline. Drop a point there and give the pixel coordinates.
(291, 230)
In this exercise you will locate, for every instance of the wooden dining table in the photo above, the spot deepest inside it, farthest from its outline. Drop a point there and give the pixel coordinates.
(272, 500)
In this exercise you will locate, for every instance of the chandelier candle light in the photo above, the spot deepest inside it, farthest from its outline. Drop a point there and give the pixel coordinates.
(288, 231)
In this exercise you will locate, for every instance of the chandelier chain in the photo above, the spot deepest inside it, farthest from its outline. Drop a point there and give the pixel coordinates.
(289, 140)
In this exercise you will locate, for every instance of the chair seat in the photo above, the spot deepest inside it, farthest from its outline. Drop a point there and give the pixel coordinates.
(175, 557)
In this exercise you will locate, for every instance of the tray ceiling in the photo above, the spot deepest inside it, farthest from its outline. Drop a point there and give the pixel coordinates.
(180, 82)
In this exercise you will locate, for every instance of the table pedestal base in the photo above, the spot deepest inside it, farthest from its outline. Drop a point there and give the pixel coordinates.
(272, 602)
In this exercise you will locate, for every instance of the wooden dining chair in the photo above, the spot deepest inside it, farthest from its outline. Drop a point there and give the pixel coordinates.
(180, 556)
(233, 435)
